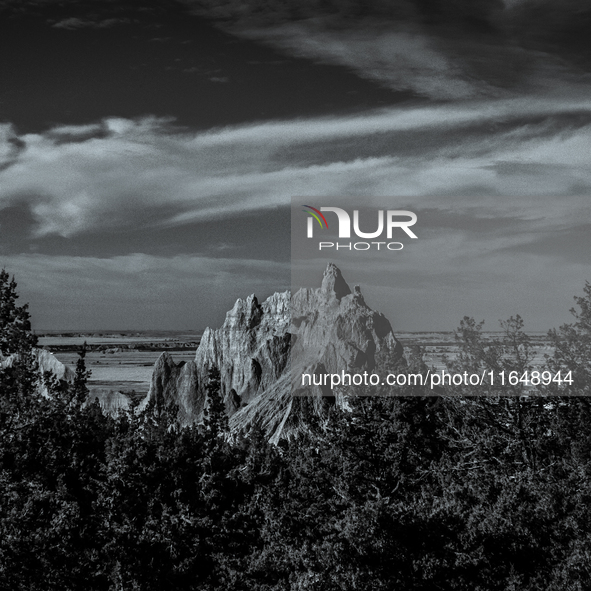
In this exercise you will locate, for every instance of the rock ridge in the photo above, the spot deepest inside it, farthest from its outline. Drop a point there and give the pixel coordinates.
(262, 349)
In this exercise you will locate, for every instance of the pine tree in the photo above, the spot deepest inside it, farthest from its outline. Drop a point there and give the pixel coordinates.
(79, 388)
(215, 419)
(19, 375)
(15, 324)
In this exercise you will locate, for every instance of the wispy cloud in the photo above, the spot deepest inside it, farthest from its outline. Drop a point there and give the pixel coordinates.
(489, 180)
(441, 50)
(81, 23)
(398, 58)
(148, 173)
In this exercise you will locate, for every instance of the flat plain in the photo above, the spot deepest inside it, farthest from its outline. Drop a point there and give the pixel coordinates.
(119, 360)
(124, 361)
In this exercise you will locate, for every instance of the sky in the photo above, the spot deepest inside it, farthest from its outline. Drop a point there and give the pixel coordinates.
(149, 152)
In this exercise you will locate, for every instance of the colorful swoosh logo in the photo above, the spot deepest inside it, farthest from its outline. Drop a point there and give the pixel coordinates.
(316, 213)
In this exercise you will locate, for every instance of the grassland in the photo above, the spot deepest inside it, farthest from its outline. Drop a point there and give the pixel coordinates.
(118, 360)
(124, 361)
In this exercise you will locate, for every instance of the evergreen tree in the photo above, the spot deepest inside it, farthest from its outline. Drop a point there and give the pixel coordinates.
(79, 387)
(215, 420)
(15, 324)
(18, 370)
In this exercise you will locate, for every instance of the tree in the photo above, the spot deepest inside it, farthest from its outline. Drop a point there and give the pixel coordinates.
(215, 419)
(572, 350)
(51, 462)
(79, 388)
(495, 422)
(15, 324)
(571, 358)
(18, 370)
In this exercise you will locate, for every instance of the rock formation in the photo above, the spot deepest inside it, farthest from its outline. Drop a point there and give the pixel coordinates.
(262, 350)
(111, 402)
(46, 361)
(179, 385)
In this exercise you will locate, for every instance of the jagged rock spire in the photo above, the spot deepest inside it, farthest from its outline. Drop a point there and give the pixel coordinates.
(333, 281)
(263, 349)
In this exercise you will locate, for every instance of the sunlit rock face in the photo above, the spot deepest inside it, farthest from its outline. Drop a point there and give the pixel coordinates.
(175, 385)
(112, 402)
(251, 349)
(46, 362)
(334, 327)
(262, 350)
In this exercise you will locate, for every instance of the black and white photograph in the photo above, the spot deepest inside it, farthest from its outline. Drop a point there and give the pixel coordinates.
(295, 295)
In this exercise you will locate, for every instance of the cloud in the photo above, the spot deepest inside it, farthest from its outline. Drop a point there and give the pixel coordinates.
(437, 49)
(10, 145)
(275, 11)
(441, 64)
(442, 50)
(148, 173)
(430, 287)
(489, 180)
(400, 58)
(73, 23)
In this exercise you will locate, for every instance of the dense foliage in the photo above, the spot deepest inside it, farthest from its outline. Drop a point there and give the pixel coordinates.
(411, 492)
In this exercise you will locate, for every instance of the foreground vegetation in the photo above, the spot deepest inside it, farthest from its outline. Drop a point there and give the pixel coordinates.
(413, 492)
